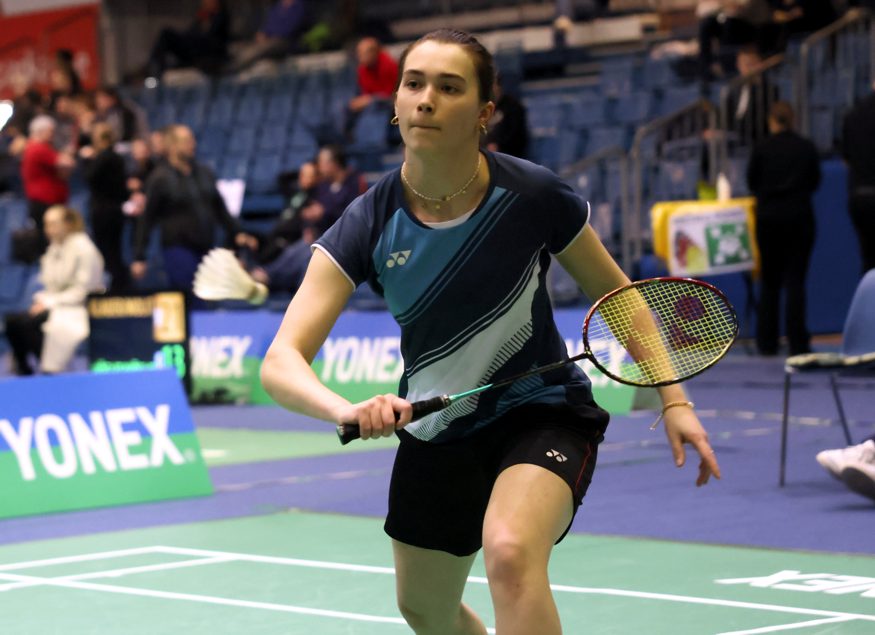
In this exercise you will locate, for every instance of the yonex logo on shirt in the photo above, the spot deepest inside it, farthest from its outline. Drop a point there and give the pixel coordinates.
(398, 258)
(555, 454)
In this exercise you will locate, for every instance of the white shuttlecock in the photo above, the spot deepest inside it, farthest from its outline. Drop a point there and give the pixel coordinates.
(220, 276)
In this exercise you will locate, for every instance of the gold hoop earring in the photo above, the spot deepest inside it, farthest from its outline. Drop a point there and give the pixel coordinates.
(394, 120)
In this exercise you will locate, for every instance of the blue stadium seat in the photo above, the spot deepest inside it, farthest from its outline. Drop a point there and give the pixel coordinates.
(602, 137)
(280, 108)
(676, 97)
(634, 108)
(295, 157)
(262, 178)
(242, 140)
(272, 140)
(250, 109)
(221, 111)
(587, 109)
(234, 167)
(371, 128)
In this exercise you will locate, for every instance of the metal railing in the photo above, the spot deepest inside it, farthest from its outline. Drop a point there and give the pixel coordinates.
(610, 226)
(685, 128)
(846, 50)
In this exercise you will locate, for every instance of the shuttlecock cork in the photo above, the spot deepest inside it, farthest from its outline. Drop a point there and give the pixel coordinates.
(220, 276)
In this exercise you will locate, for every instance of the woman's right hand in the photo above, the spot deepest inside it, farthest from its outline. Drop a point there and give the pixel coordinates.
(379, 416)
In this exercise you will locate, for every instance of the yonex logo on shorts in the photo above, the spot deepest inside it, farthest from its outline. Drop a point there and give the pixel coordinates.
(555, 454)
(398, 258)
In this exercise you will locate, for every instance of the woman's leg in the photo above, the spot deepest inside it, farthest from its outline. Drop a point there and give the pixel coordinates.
(429, 589)
(528, 512)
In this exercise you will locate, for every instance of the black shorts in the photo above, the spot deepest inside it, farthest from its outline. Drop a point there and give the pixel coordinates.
(439, 491)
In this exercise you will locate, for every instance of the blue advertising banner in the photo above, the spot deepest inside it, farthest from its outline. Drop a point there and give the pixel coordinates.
(88, 440)
(360, 358)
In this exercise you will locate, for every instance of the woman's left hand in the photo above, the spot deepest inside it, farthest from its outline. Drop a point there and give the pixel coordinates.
(682, 426)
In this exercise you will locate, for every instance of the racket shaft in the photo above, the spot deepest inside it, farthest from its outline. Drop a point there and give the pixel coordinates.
(347, 432)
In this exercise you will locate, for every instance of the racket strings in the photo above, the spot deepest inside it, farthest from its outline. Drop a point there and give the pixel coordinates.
(664, 331)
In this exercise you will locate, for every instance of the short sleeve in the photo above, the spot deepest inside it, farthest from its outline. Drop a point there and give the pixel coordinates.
(346, 243)
(568, 214)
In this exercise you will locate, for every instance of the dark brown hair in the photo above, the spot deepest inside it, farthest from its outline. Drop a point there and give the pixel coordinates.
(484, 66)
(782, 114)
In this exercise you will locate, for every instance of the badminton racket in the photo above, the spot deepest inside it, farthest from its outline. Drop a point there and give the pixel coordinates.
(649, 333)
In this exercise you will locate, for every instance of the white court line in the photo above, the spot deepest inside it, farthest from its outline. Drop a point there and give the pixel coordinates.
(232, 556)
(117, 573)
(788, 627)
(206, 599)
(120, 553)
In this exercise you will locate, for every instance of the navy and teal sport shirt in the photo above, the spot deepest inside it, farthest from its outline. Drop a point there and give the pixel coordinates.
(471, 297)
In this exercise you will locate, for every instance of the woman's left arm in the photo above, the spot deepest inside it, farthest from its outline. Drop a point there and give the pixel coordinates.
(76, 282)
(597, 273)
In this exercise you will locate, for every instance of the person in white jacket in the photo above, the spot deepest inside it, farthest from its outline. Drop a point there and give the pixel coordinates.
(57, 320)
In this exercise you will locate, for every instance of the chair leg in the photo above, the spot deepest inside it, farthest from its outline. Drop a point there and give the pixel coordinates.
(784, 425)
(835, 394)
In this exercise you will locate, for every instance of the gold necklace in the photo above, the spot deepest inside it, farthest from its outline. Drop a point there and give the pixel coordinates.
(441, 199)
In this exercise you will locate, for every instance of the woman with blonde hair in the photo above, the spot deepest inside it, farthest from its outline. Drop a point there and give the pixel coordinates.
(57, 320)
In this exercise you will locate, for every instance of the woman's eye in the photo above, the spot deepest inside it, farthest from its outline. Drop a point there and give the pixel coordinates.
(411, 83)
(450, 89)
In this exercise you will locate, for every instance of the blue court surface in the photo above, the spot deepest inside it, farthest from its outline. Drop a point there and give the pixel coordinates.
(291, 541)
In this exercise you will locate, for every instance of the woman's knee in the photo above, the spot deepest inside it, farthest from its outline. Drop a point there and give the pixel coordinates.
(425, 618)
(509, 559)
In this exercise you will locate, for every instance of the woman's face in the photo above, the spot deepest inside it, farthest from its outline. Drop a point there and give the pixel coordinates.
(54, 225)
(438, 102)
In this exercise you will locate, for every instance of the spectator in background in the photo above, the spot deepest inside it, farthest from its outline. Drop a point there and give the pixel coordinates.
(338, 187)
(57, 320)
(204, 43)
(44, 172)
(63, 78)
(507, 130)
(289, 226)
(105, 173)
(783, 174)
(858, 151)
(732, 23)
(377, 74)
(749, 107)
(182, 199)
(117, 113)
(284, 24)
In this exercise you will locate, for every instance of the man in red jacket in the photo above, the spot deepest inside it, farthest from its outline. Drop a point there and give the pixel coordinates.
(377, 74)
(44, 170)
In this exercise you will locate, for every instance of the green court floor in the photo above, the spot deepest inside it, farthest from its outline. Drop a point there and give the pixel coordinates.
(323, 574)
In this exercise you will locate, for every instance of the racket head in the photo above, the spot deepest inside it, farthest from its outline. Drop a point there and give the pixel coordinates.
(691, 326)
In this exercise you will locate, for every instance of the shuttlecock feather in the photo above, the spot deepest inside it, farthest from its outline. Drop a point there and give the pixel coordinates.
(220, 276)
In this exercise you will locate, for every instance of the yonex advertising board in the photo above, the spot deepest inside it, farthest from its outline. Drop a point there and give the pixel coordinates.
(90, 440)
(360, 358)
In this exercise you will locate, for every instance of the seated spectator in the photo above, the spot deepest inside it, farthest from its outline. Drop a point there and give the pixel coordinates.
(377, 74)
(204, 43)
(44, 173)
(338, 187)
(57, 320)
(104, 171)
(507, 130)
(284, 24)
(289, 227)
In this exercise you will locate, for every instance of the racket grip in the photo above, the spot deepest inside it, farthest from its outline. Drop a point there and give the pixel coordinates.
(347, 432)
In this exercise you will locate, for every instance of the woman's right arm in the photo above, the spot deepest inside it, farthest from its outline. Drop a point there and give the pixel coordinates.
(286, 373)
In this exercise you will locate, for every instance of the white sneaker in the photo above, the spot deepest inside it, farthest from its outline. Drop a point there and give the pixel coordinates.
(835, 461)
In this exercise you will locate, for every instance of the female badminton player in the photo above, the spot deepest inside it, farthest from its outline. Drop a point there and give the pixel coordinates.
(458, 241)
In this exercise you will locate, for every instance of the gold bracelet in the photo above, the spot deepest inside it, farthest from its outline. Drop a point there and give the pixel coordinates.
(670, 404)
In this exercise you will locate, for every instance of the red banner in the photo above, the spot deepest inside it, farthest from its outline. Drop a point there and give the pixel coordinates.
(28, 44)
